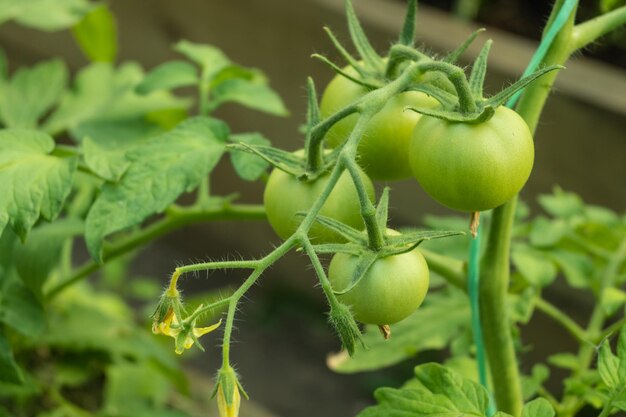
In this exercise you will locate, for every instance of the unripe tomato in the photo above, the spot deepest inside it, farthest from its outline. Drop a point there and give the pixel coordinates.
(392, 289)
(285, 195)
(383, 150)
(472, 167)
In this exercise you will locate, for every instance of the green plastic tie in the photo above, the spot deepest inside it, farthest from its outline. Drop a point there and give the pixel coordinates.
(474, 256)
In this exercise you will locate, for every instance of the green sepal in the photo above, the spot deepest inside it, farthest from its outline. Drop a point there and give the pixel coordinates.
(479, 69)
(335, 67)
(344, 53)
(407, 35)
(446, 99)
(406, 242)
(453, 56)
(352, 235)
(248, 165)
(285, 161)
(382, 209)
(341, 319)
(361, 43)
(502, 96)
(484, 114)
(366, 260)
(313, 108)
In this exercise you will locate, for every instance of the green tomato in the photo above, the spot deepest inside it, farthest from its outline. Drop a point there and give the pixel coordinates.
(286, 195)
(472, 167)
(383, 150)
(392, 289)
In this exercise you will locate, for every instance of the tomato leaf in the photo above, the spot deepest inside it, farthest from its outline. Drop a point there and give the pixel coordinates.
(34, 183)
(539, 407)
(255, 94)
(440, 392)
(161, 170)
(109, 162)
(536, 267)
(210, 58)
(612, 368)
(432, 326)
(19, 308)
(48, 15)
(96, 34)
(31, 92)
(169, 75)
(578, 268)
(249, 166)
(9, 371)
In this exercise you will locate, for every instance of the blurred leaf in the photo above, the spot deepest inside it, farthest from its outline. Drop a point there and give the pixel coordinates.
(248, 166)
(578, 268)
(545, 233)
(9, 371)
(211, 59)
(612, 368)
(31, 92)
(432, 326)
(539, 407)
(531, 383)
(104, 95)
(161, 170)
(36, 258)
(96, 34)
(255, 94)
(561, 203)
(535, 266)
(169, 75)
(34, 183)
(19, 308)
(48, 15)
(564, 361)
(521, 306)
(612, 300)
(144, 288)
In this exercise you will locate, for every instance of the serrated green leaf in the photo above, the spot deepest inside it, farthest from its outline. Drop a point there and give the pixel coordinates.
(49, 15)
(19, 307)
(109, 162)
(169, 75)
(9, 371)
(536, 267)
(577, 268)
(106, 95)
(96, 34)
(160, 171)
(531, 383)
(253, 94)
(539, 407)
(432, 326)
(441, 393)
(249, 166)
(33, 182)
(35, 258)
(31, 92)
(609, 367)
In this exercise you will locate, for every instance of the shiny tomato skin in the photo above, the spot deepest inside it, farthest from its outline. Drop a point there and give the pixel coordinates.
(286, 195)
(392, 289)
(472, 167)
(383, 150)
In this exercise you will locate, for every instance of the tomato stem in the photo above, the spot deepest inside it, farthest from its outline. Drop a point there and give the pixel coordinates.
(467, 103)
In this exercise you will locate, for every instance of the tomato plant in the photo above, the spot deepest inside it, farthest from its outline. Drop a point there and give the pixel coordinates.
(472, 167)
(383, 149)
(392, 288)
(285, 196)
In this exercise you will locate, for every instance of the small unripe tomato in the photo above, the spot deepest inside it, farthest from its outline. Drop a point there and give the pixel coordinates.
(286, 195)
(392, 289)
(472, 167)
(383, 150)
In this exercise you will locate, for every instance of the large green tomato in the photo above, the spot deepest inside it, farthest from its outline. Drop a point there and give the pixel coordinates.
(383, 150)
(472, 167)
(285, 195)
(392, 289)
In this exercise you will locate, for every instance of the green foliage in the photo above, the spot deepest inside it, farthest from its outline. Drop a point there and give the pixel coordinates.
(48, 15)
(96, 35)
